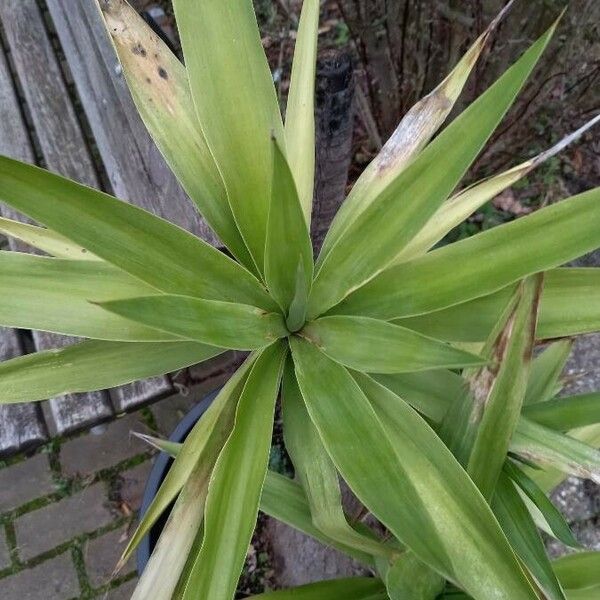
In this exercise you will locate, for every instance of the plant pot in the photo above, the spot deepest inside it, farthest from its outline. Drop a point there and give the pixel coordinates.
(157, 475)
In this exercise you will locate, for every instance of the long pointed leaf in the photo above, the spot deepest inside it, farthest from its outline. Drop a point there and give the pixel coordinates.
(159, 85)
(236, 326)
(199, 452)
(407, 203)
(570, 305)
(579, 571)
(152, 249)
(236, 105)
(52, 294)
(300, 111)
(453, 212)
(412, 134)
(317, 473)
(93, 365)
(548, 447)
(569, 412)
(379, 347)
(236, 484)
(545, 371)
(288, 246)
(524, 537)
(460, 272)
(45, 239)
(353, 588)
(500, 394)
(385, 469)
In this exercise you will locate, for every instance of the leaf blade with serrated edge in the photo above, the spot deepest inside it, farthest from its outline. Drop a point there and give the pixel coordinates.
(224, 324)
(148, 247)
(317, 473)
(300, 111)
(74, 369)
(160, 89)
(236, 483)
(334, 398)
(383, 347)
(410, 137)
(459, 272)
(236, 105)
(288, 242)
(354, 259)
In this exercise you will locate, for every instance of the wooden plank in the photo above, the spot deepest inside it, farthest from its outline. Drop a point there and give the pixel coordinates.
(21, 425)
(64, 150)
(136, 170)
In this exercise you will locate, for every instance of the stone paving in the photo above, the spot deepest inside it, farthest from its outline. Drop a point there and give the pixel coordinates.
(67, 511)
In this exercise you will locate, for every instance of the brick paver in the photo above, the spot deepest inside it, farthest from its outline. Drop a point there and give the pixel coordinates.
(48, 527)
(102, 554)
(123, 592)
(94, 452)
(25, 481)
(133, 485)
(54, 579)
(4, 553)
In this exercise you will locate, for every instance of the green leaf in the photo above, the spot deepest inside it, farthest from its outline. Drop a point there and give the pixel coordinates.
(236, 484)
(569, 412)
(460, 272)
(285, 500)
(198, 453)
(93, 365)
(409, 579)
(545, 371)
(524, 537)
(379, 347)
(317, 473)
(236, 105)
(383, 448)
(160, 89)
(578, 571)
(553, 517)
(149, 248)
(300, 111)
(498, 391)
(44, 239)
(353, 588)
(288, 247)
(549, 477)
(453, 212)
(551, 448)
(410, 137)
(236, 326)
(376, 236)
(429, 392)
(570, 305)
(52, 294)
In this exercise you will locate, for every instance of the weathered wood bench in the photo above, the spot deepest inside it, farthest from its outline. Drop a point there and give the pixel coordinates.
(64, 105)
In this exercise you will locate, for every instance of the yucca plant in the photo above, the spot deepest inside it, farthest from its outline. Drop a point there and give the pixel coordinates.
(405, 369)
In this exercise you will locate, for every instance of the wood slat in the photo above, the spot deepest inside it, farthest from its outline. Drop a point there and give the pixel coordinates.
(136, 169)
(64, 150)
